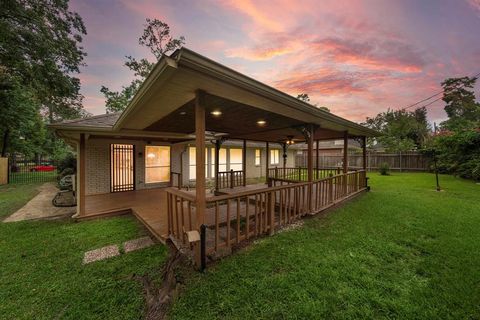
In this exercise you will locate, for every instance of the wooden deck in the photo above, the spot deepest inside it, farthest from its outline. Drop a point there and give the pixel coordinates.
(149, 206)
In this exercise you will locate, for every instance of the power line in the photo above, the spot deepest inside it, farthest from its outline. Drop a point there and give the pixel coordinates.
(434, 95)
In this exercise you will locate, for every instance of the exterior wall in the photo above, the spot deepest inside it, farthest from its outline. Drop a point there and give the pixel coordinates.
(253, 171)
(98, 164)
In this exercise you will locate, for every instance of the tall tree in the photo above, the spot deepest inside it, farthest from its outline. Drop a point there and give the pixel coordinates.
(402, 130)
(156, 36)
(460, 104)
(306, 98)
(39, 54)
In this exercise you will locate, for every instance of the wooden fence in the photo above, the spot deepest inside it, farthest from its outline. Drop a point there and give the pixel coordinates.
(409, 161)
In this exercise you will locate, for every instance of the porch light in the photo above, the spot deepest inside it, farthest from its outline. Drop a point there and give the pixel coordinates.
(261, 123)
(183, 113)
(216, 113)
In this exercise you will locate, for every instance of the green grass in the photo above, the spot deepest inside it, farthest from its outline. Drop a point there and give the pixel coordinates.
(402, 251)
(41, 271)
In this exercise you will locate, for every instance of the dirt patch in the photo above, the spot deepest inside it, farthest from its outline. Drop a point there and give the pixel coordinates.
(159, 299)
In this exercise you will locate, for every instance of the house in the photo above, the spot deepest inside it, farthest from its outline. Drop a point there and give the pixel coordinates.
(189, 124)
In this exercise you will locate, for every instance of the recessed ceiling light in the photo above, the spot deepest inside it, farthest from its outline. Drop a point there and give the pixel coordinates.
(261, 123)
(216, 113)
(183, 113)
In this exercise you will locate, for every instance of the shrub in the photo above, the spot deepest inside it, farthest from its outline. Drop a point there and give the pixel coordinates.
(459, 154)
(67, 165)
(384, 169)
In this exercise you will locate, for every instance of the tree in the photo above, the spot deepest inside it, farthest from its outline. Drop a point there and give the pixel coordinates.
(156, 36)
(39, 54)
(306, 98)
(401, 130)
(461, 107)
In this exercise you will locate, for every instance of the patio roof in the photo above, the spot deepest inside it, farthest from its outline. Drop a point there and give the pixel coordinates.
(164, 106)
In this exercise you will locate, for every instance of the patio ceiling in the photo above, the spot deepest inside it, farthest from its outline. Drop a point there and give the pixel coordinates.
(237, 121)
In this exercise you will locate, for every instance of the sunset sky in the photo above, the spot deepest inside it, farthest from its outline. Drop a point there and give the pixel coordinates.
(357, 58)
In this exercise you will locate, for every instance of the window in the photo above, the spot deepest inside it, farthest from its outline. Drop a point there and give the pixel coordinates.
(274, 156)
(212, 166)
(236, 159)
(257, 157)
(192, 154)
(222, 164)
(157, 164)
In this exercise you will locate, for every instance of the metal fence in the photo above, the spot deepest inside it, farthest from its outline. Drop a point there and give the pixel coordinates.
(408, 161)
(26, 170)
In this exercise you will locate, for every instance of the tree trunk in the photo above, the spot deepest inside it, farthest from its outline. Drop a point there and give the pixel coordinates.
(6, 136)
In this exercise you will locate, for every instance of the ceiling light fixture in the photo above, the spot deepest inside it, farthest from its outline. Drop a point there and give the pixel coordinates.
(183, 113)
(261, 123)
(216, 113)
(289, 140)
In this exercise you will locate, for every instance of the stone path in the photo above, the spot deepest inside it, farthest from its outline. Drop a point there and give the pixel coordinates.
(41, 207)
(113, 250)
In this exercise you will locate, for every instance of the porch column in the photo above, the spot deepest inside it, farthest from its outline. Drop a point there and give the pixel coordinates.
(81, 176)
(345, 152)
(364, 151)
(200, 156)
(218, 145)
(244, 162)
(310, 168)
(345, 162)
(267, 160)
(317, 162)
(310, 154)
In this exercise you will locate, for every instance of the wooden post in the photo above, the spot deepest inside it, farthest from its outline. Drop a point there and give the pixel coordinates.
(345, 152)
(310, 168)
(217, 165)
(267, 160)
(82, 176)
(345, 161)
(200, 157)
(317, 163)
(244, 162)
(364, 151)
(271, 211)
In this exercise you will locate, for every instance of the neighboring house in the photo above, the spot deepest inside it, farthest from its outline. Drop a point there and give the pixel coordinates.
(168, 136)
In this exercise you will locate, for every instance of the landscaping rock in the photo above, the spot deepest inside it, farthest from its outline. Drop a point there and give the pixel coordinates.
(101, 254)
(137, 244)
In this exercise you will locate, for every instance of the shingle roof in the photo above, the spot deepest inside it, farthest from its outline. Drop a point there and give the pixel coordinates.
(103, 121)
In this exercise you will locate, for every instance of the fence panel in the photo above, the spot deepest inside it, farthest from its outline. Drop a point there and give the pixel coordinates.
(25, 170)
(409, 161)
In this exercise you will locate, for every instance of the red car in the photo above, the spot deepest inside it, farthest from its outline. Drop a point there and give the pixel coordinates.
(43, 168)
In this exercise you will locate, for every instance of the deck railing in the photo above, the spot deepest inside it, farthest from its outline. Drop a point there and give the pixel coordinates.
(230, 179)
(233, 218)
(300, 173)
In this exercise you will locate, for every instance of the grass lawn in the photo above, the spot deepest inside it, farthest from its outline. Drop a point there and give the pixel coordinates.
(41, 271)
(401, 251)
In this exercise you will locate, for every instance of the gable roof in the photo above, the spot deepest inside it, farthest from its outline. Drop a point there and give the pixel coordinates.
(173, 83)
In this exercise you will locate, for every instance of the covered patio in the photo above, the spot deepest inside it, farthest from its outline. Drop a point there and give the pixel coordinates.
(189, 99)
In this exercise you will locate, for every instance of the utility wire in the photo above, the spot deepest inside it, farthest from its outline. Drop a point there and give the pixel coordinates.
(432, 96)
